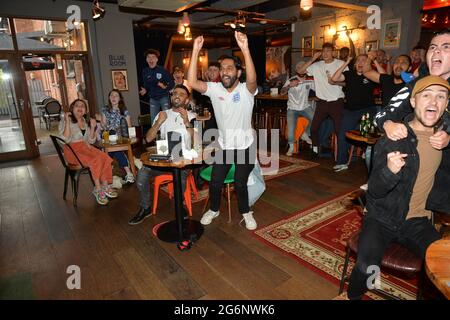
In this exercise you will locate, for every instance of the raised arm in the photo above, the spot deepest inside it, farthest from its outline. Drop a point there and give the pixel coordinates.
(250, 72)
(338, 76)
(369, 73)
(352, 45)
(302, 69)
(379, 67)
(151, 134)
(193, 82)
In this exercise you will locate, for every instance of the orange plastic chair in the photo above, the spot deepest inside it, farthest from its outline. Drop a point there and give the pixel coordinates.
(300, 127)
(168, 179)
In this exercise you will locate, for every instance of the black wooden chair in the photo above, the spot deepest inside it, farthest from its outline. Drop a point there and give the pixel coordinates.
(52, 111)
(73, 171)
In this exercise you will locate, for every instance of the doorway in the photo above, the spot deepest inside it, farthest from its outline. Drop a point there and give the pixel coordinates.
(17, 136)
(52, 80)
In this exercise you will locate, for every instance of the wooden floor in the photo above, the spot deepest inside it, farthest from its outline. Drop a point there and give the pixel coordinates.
(41, 235)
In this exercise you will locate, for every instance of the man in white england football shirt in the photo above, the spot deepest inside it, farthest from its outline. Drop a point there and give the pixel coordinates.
(233, 106)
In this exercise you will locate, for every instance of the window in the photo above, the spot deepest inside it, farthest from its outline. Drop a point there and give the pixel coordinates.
(6, 42)
(49, 35)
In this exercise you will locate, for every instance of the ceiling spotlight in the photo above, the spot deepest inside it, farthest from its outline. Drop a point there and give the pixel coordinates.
(185, 19)
(233, 25)
(180, 28)
(306, 4)
(188, 34)
(97, 11)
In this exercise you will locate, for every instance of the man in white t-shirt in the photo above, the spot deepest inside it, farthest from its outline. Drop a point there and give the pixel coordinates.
(298, 105)
(232, 102)
(330, 94)
(176, 119)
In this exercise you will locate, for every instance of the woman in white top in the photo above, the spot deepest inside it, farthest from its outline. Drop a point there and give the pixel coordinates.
(79, 134)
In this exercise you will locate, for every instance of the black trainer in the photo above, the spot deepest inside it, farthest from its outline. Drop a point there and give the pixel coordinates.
(141, 215)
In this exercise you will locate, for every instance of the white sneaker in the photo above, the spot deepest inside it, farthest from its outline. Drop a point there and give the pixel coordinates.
(340, 167)
(291, 150)
(306, 138)
(208, 216)
(364, 187)
(250, 222)
(129, 178)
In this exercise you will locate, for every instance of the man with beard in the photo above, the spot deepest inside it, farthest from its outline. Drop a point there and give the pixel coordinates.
(400, 185)
(175, 119)
(390, 83)
(389, 119)
(233, 106)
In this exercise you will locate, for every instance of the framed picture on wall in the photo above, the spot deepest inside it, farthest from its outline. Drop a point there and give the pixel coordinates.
(119, 80)
(391, 33)
(371, 45)
(307, 46)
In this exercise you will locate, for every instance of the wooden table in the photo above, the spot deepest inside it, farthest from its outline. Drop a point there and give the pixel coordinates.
(181, 231)
(124, 144)
(370, 140)
(437, 265)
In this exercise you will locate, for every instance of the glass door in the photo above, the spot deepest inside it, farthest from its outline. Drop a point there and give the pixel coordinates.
(17, 137)
(76, 79)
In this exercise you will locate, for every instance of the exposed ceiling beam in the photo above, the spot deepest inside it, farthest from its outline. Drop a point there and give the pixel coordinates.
(341, 5)
(230, 12)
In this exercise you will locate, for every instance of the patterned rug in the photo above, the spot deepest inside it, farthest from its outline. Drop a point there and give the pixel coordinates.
(316, 238)
(286, 165)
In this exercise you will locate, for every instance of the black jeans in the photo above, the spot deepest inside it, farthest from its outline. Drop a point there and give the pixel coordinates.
(415, 234)
(242, 171)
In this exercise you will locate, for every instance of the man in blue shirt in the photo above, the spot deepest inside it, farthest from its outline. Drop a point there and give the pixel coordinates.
(157, 83)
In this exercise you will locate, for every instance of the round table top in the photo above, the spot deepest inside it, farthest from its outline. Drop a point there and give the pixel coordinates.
(145, 158)
(356, 136)
(437, 265)
(120, 142)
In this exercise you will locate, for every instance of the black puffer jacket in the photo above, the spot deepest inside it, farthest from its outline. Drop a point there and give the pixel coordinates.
(389, 194)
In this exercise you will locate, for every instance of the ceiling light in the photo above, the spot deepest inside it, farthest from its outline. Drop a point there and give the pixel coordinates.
(188, 34)
(233, 25)
(180, 28)
(97, 11)
(185, 19)
(306, 4)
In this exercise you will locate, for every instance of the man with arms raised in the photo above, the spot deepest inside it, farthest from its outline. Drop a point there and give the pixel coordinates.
(233, 106)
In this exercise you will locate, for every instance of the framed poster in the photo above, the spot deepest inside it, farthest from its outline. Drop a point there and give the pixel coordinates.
(119, 80)
(371, 46)
(307, 46)
(390, 36)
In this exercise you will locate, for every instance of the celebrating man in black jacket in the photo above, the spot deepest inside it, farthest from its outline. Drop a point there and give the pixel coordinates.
(401, 181)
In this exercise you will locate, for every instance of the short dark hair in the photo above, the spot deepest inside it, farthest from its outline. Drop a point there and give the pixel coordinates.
(214, 64)
(222, 57)
(344, 48)
(181, 86)
(328, 45)
(151, 51)
(441, 32)
(407, 58)
(419, 47)
(236, 60)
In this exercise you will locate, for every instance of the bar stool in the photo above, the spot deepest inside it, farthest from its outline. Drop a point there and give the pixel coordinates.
(168, 179)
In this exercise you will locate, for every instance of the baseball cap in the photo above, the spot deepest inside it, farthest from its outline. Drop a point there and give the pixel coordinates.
(427, 81)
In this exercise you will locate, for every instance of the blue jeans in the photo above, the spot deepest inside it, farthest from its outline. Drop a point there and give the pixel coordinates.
(157, 105)
(121, 158)
(292, 116)
(143, 184)
(350, 121)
